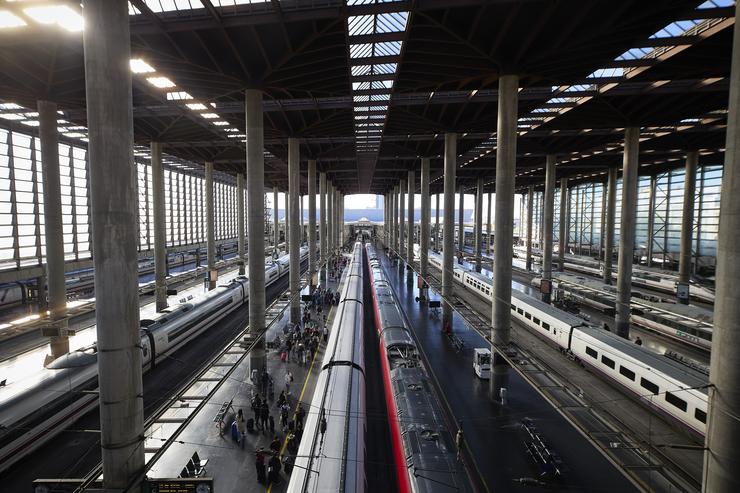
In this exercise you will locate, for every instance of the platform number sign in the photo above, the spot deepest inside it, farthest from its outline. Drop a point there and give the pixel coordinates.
(180, 485)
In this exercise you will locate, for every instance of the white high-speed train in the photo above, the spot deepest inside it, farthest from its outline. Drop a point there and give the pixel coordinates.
(334, 460)
(673, 389)
(34, 409)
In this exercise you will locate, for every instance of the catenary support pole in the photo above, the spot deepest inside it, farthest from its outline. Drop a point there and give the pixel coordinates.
(294, 183)
(212, 273)
(448, 242)
(436, 226)
(503, 249)
(478, 223)
(687, 226)
(160, 245)
(722, 455)
(627, 230)
(240, 219)
(549, 213)
(611, 208)
(311, 220)
(256, 220)
(53, 226)
(530, 210)
(410, 233)
(114, 203)
(563, 233)
(425, 225)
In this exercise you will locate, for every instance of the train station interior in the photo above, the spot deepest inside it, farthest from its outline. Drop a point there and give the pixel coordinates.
(369, 246)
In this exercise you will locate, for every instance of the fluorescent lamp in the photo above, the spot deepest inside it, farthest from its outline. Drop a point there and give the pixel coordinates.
(196, 106)
(161, 82)
(139, 66)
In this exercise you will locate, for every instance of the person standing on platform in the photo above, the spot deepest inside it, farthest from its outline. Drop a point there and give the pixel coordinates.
(259, 464)
(288, 380)
(459, 440)
(241, 427)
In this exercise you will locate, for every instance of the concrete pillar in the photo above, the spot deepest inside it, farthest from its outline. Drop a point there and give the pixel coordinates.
(530, 225)
(488, 224)
(241, 238)
(549, 214)
(322, 221)
(311, 217)
(448, 241)
(53, 227)
(41, 294)
(563, 234)
(436, 226)
(611, 212)
(687, 223)
(212, 273)
(478, 224)
(401, 217)
(651, 222)
(603, 222)
(286, 232)
(410, 235)
(160, 246)
(114, 202)
(722, 455)
(627, 230)
(275, 222)
(330, 218)
(505, 176)
(425, 226)
(303, 225)
(256, 219)
(394, 219)
(294, 183)
(461, 221)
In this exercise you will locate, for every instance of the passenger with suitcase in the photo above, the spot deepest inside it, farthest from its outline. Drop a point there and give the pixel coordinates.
(241, 428)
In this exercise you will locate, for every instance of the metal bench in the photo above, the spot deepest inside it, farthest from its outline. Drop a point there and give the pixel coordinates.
(221, 414)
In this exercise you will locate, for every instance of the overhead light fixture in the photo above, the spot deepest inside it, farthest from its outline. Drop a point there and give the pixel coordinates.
(196, 106)
(139, 66)
(161, 82)
(9, 20)
(221, 123)
(178, 96)
(209, 116)
(61, 15)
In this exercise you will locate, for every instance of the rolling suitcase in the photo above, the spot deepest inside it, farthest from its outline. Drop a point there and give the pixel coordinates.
(250, 425)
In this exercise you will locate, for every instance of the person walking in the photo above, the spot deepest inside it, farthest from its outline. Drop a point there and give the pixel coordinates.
(241, 427)
(264, 415)
(459, 440)
(288, 380)
(259, 464)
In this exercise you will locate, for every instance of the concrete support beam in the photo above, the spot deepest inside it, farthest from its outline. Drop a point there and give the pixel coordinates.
(563, 234)
(160, 246)
(53, 226)
(549, 214)
(311, 218)
(294, 183)
(210, 229)
(425, 226)
(503, 250)
(410, 234)
(114, 203)
(611, 213)
(255, 132)
(401, 217)
(461, 220)
(489, 245)
(448, 243)
(687, 223)
(627, 229)
(436, 226)
(241, 235)
(722, 455)
(530, 226)
(478, 223)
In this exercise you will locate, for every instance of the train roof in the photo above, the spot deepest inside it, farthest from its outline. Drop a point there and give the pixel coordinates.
(669, 367)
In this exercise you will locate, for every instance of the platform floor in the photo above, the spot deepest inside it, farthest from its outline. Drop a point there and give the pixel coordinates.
(493, 432)
(231, 466)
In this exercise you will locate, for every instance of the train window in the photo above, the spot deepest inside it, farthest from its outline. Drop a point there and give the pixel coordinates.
(700, 415)
(627, 372)
(513, 307)
(647, 384)
(607, 361)
(545, 326)
(676, 401)
(536, 320)
(592, 352)
(528, 316)
(520, 311)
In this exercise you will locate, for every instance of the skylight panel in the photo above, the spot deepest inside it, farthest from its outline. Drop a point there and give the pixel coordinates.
(10, 106)
(178, 96)
(172, 5)
(161, 82)
(388, 48)
(209, 116)
(361, 24)
(196, 106)
(221, 123)
(360, 50)
(139, 66)
(12, 116)
(361, 70)
(385, 68)
(393, 22)
(606, 72)
(711, 4)
(10, 20)
(62, 15)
